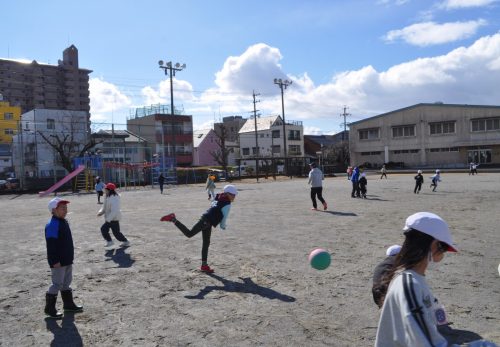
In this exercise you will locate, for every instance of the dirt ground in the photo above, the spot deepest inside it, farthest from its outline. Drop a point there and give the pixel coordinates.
(263, 293)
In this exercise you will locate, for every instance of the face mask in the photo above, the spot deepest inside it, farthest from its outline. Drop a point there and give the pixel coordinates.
(431, 265)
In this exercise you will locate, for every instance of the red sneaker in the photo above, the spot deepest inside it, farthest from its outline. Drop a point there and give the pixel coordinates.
(207, 269)
(325, 206)
(168, 218)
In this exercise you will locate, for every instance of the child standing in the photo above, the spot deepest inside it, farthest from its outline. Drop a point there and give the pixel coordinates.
(210, 187)
(112, 216)
(383, 172)
(215, 215)
(99, 187)
(419, 179)
(435, 179)
(60, 255)
(362, 185)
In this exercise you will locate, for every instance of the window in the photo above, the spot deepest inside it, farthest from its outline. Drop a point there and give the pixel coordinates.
(246, 151)
(254, 150)
(8, 116)
(276, 134)
(294, 149)
(9, 131)
(51, 123)
(370, 153)
(488, 124)
(276, 149)
(403, 131)
(294, 135)
(368, 134)
(442, 128)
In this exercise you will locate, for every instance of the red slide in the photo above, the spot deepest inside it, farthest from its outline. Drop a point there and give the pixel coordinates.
(61, 182)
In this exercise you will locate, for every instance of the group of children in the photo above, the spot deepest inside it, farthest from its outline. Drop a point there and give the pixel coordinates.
(60, 248)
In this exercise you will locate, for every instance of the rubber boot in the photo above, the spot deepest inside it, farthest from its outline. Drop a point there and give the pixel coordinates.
(69, 304)
(50, 306)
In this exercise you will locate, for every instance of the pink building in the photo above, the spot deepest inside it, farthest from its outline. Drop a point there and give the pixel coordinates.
(204, 144)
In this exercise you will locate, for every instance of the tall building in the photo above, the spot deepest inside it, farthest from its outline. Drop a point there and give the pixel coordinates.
(42, 86)
(9, 121)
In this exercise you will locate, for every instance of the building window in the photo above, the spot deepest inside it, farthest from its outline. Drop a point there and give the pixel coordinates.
(51, 123)
(246, 151)
(276, 134)
(370, 153)
(403, 131)
(294, 135)
(368, 134)
(276, 149)
(488, 124)
(8, 116)
(254, 150)
(294, 149)
(9, 131)
(442, 128)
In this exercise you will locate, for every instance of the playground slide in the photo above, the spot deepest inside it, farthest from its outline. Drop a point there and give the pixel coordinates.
(64, 180)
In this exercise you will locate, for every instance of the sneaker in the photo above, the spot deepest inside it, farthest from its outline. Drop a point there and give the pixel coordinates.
(168, 218)
(109, 244)
(207, 269)
(125, 244)
(314, 209)
(325, 206)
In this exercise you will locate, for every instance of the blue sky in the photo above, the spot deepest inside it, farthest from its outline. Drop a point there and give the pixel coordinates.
(371, 56)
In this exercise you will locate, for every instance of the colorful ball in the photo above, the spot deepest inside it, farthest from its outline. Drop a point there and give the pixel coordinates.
(319, 259)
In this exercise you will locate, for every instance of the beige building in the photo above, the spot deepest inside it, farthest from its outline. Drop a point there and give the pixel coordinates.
(42, 86)
(428, 135)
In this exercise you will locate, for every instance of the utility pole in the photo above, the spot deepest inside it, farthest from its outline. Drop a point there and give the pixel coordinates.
(256, 135)
(345, 114)
(283, 83)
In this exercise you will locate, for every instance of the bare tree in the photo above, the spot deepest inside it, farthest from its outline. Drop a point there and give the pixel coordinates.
(221, 154)
(67, 144)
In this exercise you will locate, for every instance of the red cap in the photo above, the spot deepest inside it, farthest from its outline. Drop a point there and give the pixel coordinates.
(110, 186)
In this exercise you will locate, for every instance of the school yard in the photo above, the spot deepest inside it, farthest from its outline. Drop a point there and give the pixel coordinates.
(263, 293)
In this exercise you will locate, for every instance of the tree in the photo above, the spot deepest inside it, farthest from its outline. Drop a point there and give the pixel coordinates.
(221, 154)
(67, 143)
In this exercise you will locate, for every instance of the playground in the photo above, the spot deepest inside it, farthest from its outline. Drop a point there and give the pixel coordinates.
(263, 291)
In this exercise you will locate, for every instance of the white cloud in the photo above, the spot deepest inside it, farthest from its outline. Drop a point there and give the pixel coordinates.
(430, 33)
(106, 97)
(455, 4)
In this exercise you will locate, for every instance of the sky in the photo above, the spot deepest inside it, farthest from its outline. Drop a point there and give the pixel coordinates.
(367, 56)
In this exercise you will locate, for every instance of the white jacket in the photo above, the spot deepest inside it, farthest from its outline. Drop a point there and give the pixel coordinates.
(111, 208)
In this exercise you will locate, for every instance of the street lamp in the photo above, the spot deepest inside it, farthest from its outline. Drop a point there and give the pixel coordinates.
(283, 83)
(170, 70)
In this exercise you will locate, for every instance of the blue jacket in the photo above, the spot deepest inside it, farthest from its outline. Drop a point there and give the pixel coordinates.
(59, 242)
(219, 211)
(355, 175)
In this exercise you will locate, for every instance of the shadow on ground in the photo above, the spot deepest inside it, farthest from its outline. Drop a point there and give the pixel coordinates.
(247, 286)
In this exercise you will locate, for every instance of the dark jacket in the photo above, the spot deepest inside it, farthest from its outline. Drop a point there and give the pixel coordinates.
(419, 178)
(355, 175)
(161, 179)
(214, 214)
(59, 242)
(362, 181)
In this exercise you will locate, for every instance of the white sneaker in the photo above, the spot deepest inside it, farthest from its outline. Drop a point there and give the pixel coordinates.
(109, 244)
(125, 244)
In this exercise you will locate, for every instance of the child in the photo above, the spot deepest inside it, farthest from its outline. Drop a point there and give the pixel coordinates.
(435, 179)
(362, 185)
(316, 181)
(419, 179)
(99, 187)
(161, 181)
(112, 216)
(383, 172)
(216, 214)
(381, 269)
(210, 187)
(60, 255)
(410, 312)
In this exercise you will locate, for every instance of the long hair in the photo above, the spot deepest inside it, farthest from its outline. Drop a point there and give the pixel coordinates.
(112, 192)
(415, 248)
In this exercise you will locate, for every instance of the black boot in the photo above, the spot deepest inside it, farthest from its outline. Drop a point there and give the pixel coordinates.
(50, 306)
(69, 305)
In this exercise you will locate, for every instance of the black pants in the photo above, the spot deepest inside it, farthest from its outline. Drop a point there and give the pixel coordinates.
(355, 189)
(205, 227)
(319, 192)
(418, 186)
(383, 175)
(115, 228)
(99, 194)
(161, 188)
(362, 189)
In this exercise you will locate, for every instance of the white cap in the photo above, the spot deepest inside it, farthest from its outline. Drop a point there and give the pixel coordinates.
(437, 171)
(56, 202)
(432, 225)
(419, 171)
(230, 189)
(393, 250)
